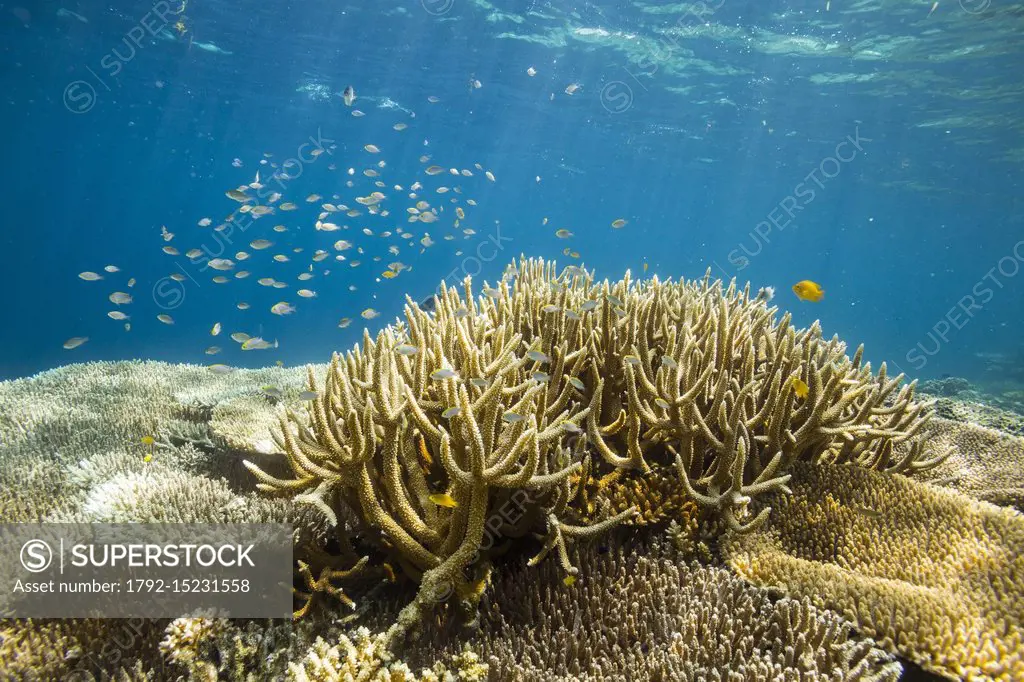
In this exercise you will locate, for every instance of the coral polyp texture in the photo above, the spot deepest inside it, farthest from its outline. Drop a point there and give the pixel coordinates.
(542, 389)
(928, 573)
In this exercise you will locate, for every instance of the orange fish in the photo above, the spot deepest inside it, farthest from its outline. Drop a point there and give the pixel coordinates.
(806, 290)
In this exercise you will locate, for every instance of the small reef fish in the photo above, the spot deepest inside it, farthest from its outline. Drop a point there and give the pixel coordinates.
(349, 95)
(282, 308)
(210, 47)
(800, 388)
(75, 342)
(256, 343)
(619, 223)
(443, 500)
(806, 290)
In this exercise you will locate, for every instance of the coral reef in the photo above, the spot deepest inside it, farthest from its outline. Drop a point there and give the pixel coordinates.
(946, 387)
(644, 611)
(352, 658)
(927, 573)
(428, 432)
(985, 463)
(966, 407)
(621, 426)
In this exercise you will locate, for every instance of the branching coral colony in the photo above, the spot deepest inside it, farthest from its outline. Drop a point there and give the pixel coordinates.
(543, 392)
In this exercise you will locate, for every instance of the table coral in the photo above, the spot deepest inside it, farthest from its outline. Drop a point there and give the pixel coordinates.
(928, 573)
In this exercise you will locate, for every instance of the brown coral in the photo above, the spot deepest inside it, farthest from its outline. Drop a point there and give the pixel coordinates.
(928, 573)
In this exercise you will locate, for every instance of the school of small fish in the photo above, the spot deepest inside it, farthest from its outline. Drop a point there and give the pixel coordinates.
(383, 218)
(360, 195)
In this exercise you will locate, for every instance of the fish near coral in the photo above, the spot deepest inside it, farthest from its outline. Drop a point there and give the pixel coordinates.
(806, 290)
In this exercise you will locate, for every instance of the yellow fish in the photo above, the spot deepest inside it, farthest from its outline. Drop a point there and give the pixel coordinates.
(806, 290)
(443, 500)
(569, 580)
(799, 387)
(148, 440)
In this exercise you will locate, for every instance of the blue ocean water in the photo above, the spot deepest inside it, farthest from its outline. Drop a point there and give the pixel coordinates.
(875, 148)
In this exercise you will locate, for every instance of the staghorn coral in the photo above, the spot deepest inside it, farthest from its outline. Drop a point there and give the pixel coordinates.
(364, 657)
(928, 573)
(428, 430)
(642, 611)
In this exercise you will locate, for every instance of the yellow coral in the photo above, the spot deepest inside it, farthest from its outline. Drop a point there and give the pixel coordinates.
(928, 573)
